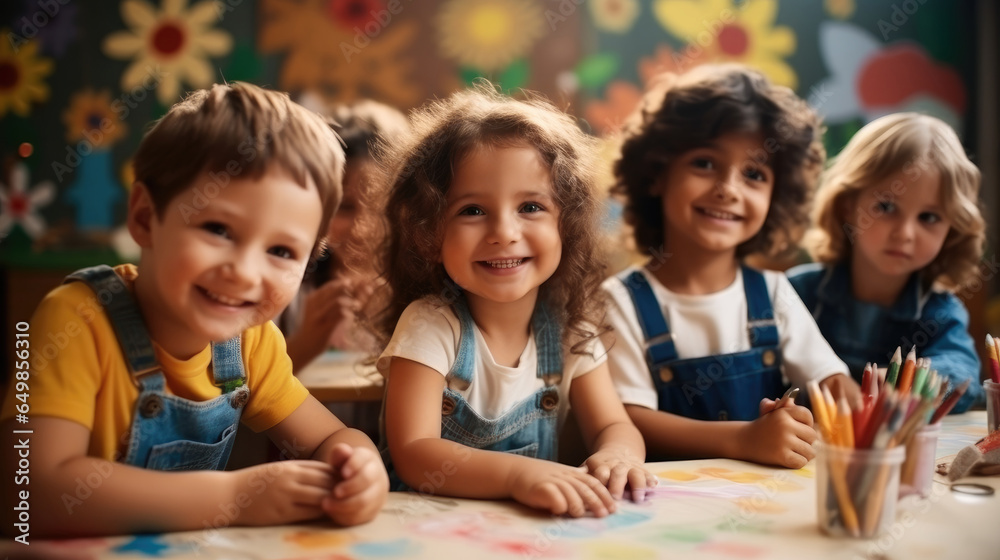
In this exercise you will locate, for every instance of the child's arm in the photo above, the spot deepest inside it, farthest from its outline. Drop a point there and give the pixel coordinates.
(617, 446)
(950, 347)
(359, 481)
(782, 437)
(72, 494)
(330, 307)
(433, 465)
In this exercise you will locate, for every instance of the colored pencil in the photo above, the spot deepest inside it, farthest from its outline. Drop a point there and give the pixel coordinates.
(923, 366)
(894, 365)
(994, 358)
(844, 426)
(905, 380)
(819, 410)
(866, 379)
(949, 402)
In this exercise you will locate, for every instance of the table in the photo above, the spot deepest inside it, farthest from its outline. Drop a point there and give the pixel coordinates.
(337, 376)
(715, 508)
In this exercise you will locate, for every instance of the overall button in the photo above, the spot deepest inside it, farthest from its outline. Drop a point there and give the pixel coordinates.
(666, 374)
(723, 415)
(447, 406)
(240, 397)
(767, 358)
(550, 401)
(151, 406)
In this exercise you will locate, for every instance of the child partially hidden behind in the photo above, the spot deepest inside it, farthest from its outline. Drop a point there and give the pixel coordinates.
(170, 355)
(897, 231)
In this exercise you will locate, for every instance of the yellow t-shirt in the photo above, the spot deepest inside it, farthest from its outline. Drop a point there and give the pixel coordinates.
(78, 371)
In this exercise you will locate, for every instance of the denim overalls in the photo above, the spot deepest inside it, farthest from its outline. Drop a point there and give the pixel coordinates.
(529, 428)
(169, 433)
(720, 387)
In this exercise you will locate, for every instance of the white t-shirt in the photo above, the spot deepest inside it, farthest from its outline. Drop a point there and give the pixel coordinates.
(708, 325)
(428, 333)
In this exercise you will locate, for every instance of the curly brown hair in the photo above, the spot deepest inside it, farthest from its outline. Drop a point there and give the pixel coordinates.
(904, 142)
(684, 112)
(418, 169)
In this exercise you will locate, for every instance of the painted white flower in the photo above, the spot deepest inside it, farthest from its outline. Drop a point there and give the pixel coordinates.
(18, 205)
(168, 45)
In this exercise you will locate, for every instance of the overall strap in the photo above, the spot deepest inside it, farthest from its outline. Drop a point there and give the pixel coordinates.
(123, 312)
(227, 364)
(465, 358)
(548, 344)
(659, 342)
(760, 315)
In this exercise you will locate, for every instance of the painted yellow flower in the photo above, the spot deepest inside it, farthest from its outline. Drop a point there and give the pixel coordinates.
(743, 34)
(168, 46)
(91, 118)
(616, 16)
(840, 9)
(22, 73)
(488, 35)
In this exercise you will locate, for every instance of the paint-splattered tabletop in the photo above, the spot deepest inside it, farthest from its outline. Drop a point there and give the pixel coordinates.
(705, 509)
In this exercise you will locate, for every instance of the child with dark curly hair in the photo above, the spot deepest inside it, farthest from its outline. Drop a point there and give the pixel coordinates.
(492, 262)
(718, 164)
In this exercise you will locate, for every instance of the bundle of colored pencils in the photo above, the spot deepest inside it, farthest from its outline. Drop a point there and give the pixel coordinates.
(894, 408)
(993, 352)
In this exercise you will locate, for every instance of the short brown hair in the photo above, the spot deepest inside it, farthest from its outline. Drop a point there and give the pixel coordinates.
(419, 169)
(889, 145)
(237, 130)
(683, 112)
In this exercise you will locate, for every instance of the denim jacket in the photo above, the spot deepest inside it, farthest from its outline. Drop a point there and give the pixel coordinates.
(936, 322)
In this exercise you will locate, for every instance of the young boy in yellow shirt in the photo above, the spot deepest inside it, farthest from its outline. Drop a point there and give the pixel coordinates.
(139, 370)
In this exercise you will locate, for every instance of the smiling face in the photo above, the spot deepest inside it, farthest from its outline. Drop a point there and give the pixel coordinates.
(213, 267)
(716, 197)
(501, 225)
(899, 226)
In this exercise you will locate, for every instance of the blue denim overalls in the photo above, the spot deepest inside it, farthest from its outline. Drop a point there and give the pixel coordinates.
(529, 428)
(169, 433)
(720, 387)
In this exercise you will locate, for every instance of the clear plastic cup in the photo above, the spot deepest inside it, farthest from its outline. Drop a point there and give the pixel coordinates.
(856, 489)
(916, 476)
(992, 405)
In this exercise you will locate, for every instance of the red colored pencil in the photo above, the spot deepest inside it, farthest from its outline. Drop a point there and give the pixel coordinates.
(949, 402)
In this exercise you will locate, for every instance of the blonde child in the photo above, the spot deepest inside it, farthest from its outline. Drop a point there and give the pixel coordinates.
(492, 222)
(160, 362)
(897, 230)
(323, 313)
(716, 165)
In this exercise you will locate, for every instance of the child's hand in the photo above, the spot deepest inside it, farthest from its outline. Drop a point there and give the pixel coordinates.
(615, 468)
(279, 493)
(781, 437)
(841, 385)
(360, 485)
(560, 489)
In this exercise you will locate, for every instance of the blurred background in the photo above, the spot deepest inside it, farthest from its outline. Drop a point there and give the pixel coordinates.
(80, 81)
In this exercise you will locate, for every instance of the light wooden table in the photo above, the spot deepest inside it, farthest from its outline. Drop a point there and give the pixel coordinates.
(717, 509)
(342, 377)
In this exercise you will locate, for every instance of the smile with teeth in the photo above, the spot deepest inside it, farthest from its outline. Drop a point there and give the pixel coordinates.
(718, 214)
(504, 263)
(224, 300)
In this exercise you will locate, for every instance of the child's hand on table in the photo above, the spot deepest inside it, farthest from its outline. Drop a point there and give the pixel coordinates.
(279, 493)
(781, 436)
(560, 489)
(614, 469)
(360, 485)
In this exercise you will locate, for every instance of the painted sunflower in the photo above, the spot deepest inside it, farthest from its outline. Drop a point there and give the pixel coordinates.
(491, 34)
(744, 34)
(169, 45)
(22, 74)
(90, 117)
